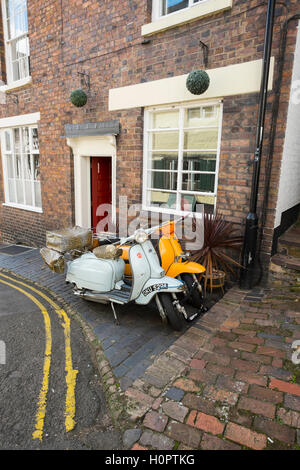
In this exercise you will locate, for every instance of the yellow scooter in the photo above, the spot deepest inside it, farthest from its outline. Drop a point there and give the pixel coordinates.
(176, 263)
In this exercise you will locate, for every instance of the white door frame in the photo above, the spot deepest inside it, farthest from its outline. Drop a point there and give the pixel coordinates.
(85, 148)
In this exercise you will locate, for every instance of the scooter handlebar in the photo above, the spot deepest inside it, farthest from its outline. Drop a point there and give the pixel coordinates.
(150, 230)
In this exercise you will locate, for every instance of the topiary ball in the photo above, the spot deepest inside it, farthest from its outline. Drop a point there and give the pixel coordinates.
(197, 82)
(78, 98)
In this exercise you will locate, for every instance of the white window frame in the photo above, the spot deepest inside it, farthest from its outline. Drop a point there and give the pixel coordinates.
(8, 54)
(5, 152)
(157, 8)
(147, 118)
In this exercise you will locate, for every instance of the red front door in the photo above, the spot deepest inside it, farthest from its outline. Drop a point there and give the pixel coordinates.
(101, 189)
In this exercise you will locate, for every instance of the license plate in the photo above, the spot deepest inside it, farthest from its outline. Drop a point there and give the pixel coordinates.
(154, 288)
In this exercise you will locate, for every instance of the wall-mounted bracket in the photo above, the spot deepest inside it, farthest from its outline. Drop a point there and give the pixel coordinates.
(205, 50)
(14, 97)
(85, 79)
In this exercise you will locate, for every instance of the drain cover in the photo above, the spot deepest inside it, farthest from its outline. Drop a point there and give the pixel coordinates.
(13, 250)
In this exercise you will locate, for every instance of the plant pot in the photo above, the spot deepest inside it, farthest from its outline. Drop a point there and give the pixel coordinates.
(216, 280)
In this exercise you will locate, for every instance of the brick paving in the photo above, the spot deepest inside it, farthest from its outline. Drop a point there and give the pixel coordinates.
(226, 383)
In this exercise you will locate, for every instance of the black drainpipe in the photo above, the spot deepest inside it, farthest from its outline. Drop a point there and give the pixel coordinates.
(251, 228)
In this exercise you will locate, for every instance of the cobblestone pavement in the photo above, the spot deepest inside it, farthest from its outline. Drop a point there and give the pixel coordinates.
(227, 382)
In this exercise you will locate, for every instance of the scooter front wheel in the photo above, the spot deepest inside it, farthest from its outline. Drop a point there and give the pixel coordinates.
(175, 318)
(196, 297)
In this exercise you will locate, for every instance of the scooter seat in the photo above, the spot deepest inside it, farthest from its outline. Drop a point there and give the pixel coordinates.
(107, 252)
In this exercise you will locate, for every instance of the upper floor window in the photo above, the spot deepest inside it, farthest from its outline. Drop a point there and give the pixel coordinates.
(16, 39)
(166, 7)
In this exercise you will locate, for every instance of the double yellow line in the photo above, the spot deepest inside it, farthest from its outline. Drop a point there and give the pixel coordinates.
(70, 405)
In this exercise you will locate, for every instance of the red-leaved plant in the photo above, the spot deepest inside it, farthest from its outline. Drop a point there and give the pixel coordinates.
(219, 235)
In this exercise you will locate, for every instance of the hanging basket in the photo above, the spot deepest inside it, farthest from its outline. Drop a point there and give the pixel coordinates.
(78, 98)
(197, 82)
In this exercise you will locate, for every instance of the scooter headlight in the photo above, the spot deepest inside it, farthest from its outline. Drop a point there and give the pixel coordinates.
(141, 236)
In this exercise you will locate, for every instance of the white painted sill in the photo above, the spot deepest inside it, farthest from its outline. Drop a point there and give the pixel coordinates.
(164, 210)
(25, 208)
(185, 16)
(15, 85)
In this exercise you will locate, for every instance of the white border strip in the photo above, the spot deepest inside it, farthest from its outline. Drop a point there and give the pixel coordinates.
(21, 120)
(235, 79)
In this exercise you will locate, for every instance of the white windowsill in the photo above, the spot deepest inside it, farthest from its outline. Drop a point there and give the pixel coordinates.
(165, 210)
(25, 208)
(21, 120)
(186, 15)
(15, 85)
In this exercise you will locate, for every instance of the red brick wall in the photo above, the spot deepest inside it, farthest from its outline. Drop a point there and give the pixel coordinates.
(103, 39)
(2, 52)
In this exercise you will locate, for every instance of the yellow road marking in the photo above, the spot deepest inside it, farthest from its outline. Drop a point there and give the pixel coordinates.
(41, 412)
(70, 405)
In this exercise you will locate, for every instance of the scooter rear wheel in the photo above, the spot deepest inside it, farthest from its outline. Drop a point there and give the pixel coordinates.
(175, 318)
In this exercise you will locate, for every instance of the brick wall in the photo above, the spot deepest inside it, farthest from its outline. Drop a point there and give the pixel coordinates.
(103, 39)
(2, 52)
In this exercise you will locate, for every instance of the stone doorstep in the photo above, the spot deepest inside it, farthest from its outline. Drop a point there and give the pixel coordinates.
(285, 262)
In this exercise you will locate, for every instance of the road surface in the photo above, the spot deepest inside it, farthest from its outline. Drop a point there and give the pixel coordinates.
(50, 390)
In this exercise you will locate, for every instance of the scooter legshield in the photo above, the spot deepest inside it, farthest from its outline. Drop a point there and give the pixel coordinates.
(189, 267)
(155, 286)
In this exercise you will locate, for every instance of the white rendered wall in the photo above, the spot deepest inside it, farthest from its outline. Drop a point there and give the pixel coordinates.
(289, 185)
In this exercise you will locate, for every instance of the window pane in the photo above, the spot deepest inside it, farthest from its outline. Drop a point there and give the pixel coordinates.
(169, 6)
(11, 190)
(164, 161)
(9, 166)
(19, 55)
(18, 167)
(198, 182)
(201, 139)
(37, 194)
(36, 167)
(7, 141)
(35, 140)
(28, 193)
(16, 11)
(165, 120)
(25, 137)
(189, 202)
(199, 161)
(202, 116)
(163, 199)
(17, 142)
(163, 180)
(208, 201)
(27, 167)
(165, 140)
(20, 194)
